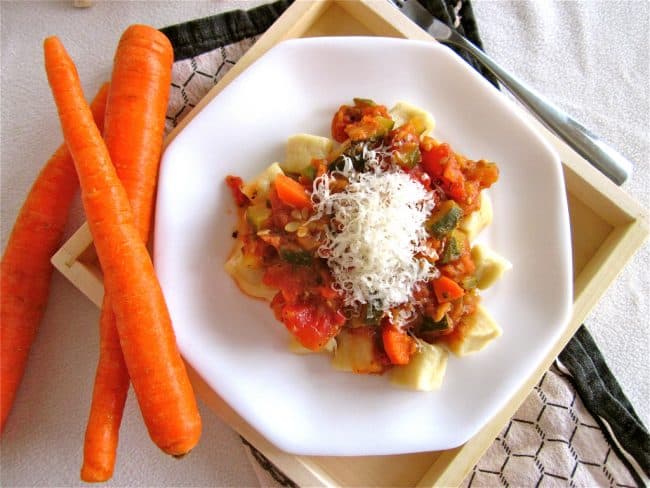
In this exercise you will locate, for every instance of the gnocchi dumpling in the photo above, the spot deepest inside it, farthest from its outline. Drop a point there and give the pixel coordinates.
(297, 348)
(480, 330)
(425, 371)
(404, 112)
(302, 148)
(247, 275)
(356, 351)
(490, 266)
(474, 223)
(258, 188)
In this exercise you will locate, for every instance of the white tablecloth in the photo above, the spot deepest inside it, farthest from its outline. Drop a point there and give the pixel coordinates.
(589, 57)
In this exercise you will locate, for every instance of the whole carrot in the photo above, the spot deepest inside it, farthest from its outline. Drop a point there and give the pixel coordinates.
(109, 395)
(25, 270)
(148, 343)
(133, 133)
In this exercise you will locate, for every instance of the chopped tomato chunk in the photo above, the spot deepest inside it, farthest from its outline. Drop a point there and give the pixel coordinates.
(461, 179)
(235, 184)
(435, 159)
(312, 324)
(361, 120)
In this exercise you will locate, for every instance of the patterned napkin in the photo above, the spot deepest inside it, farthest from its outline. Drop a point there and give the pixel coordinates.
(576, 427)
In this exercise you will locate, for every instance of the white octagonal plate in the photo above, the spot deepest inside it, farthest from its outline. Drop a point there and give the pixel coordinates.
(300, 403)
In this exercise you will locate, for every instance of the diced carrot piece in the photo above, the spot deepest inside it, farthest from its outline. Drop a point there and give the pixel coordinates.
(291, 192)
(399, 346)
(447, 289)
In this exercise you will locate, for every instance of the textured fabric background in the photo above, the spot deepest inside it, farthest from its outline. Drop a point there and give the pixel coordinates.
(590, 57)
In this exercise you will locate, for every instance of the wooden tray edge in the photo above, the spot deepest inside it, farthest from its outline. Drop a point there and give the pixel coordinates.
(66, 261)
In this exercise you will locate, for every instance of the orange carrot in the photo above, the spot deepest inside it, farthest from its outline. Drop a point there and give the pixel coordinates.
(109, 396)
(157, 371)
(26, 270)
(134, 130)
(291, 192)
(447, 289)
(399, 346)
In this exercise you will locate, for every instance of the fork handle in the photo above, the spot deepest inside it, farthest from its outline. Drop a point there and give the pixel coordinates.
(602, 156)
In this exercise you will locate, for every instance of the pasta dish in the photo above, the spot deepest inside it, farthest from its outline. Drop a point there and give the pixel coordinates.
(364, 244)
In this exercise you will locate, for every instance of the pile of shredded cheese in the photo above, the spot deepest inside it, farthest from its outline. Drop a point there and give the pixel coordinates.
(377, 250)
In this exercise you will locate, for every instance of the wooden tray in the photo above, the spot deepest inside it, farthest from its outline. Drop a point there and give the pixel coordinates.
(607, 228)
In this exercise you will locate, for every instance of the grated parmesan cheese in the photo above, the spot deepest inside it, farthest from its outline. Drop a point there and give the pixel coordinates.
(377, 252)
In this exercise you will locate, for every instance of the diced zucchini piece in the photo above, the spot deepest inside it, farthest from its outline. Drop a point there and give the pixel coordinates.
(479, 330)
(454, 247)
(373, 316)
(354, 151)
(258, 215)
(363, 101)
(356, 351)
(407, 159)
(247, 276)
(386, 124)
(368, 317)
(358, 163)
(404, 112)
(302, 148)
(297, 348)
(425, 371)
(444, 219)
(309, 172)
(490, 266)
(258, 189)
(469, 282)
(299, 257)
(478, 220)
(429, 325)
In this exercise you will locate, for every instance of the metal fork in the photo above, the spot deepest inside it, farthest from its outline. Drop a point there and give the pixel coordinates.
(603, 157)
